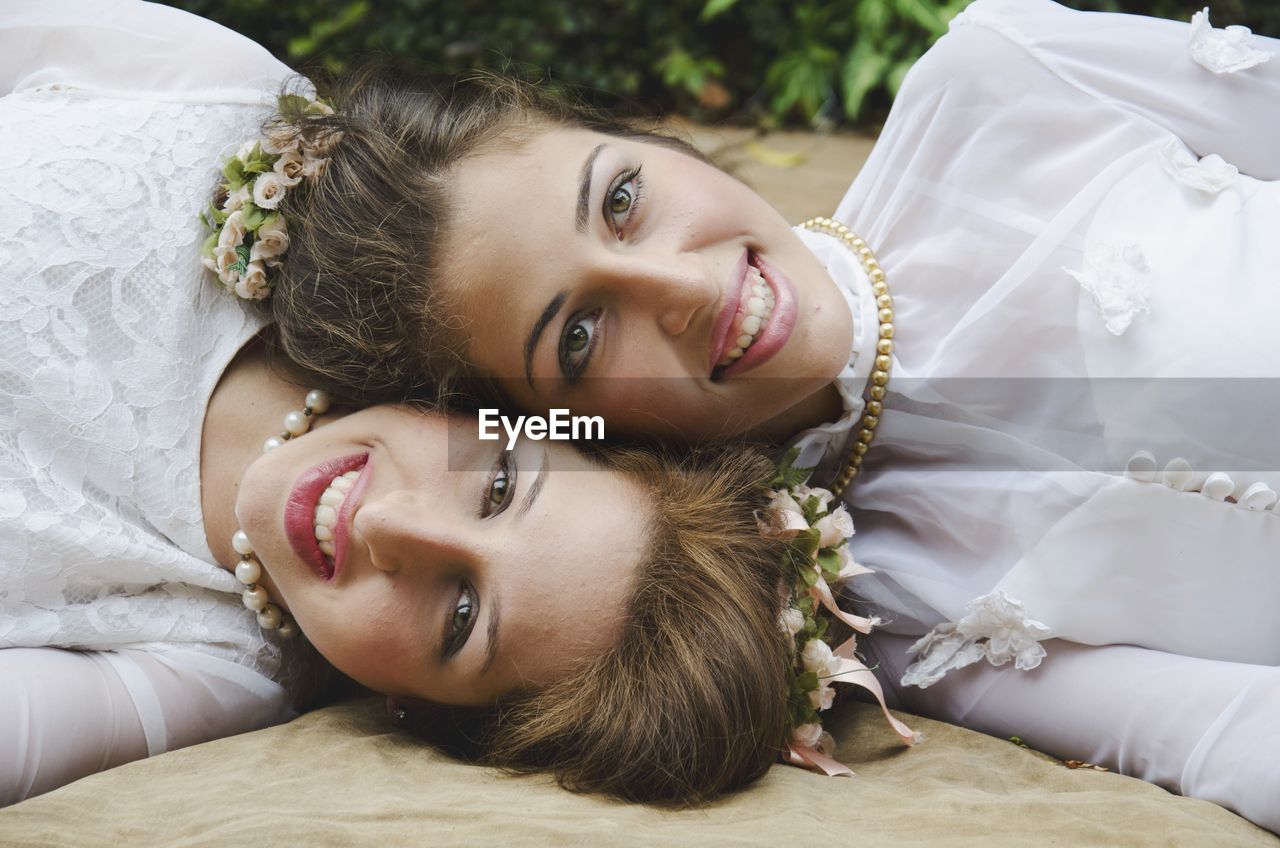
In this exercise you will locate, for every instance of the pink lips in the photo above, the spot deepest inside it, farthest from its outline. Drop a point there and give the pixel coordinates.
(300, 512)
(733, 295)
(774, 335)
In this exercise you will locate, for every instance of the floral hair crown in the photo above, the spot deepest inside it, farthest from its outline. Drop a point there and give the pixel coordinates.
(817, 535)
(250, 234)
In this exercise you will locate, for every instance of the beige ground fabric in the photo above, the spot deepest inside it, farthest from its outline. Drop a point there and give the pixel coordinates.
(343, 776)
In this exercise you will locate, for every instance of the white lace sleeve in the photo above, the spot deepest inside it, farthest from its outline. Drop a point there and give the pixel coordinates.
(67, 714)
(126, 45)
(1217, 89)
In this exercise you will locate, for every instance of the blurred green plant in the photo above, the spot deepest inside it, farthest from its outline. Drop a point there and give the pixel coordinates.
(761, 61)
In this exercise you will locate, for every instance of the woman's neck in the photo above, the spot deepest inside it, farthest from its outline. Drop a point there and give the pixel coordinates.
(248, 405)
(822, 407)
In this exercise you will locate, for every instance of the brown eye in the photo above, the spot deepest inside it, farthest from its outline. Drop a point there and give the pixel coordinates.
(620, 201)
(576, 342)
(576, 339)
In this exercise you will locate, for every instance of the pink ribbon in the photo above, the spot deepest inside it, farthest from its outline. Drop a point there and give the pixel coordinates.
(823, 593)
(814, 760)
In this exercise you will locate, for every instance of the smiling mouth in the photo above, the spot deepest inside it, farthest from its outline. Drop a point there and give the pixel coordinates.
(327, 511)
(755, 308)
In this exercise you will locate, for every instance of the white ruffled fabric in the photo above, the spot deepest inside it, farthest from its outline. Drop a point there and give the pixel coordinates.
(1078, 225)
(996, 629)
(1223, 51)
(112, 338)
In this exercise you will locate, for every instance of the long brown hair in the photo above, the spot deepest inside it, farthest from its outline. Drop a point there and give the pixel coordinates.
(359, 301)
(691, 701)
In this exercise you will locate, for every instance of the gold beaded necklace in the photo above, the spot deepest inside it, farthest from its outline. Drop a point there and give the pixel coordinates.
(877, 388)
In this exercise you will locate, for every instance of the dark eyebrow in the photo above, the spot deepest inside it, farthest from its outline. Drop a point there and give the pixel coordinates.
(536, 489)
(544, 319)
(584, 187)
(491, 649)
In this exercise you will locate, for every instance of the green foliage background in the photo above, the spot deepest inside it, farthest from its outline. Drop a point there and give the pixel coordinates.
(766, 62)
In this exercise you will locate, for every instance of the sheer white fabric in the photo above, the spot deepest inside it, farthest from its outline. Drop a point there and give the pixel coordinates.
(1078, 224)
(111, 340)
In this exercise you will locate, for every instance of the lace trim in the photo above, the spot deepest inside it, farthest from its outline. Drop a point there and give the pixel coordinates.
(996, 629)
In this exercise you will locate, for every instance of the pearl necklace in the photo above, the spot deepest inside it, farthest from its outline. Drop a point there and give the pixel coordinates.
(879, 381)
(249, 569)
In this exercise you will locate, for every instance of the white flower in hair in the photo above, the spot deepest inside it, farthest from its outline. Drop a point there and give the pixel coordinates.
(280, 140)
(791, 621)
(824, 496)
(237, 199)
(816, 656)
(268, 190)
(823, 697)
(225, 257)
(289, 168)
(807, 735)
(313, 165)
(272, 240)
(835, 527)
(253, 283)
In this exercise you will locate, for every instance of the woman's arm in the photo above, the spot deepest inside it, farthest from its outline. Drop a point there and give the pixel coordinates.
(1144, 65)
(1202, 728)
(67, 714)
(126, 45)
(63, 715)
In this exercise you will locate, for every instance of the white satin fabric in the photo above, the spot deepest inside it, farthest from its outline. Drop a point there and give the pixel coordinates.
(1078, 222)
(119, 636)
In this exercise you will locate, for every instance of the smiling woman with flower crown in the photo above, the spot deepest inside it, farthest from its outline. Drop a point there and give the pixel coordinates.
(190, 538)
(1005, 350)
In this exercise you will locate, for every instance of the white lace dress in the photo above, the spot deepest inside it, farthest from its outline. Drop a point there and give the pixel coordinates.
(1079, 218)
(112, 122)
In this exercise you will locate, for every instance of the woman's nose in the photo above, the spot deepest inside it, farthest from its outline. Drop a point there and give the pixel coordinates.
(400, 530)
(673, 289)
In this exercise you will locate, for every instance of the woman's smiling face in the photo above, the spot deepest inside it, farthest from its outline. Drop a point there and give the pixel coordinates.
(453, 586)
(626, 279)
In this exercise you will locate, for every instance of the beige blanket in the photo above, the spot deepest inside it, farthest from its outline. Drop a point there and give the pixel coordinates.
(343, 776)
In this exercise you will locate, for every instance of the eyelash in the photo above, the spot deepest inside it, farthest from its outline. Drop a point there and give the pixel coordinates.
(573, 370)
(504, 468)
(637, 198)
(455, 637)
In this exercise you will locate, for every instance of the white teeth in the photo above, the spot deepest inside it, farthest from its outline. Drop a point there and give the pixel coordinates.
(327, 510)
(758, 308)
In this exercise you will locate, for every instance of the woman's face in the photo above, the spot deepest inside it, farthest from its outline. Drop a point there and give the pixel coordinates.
(616, 277)
(452, 586)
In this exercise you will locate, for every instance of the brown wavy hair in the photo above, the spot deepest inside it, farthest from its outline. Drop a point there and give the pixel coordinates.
(359, 301)
(691, 701)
